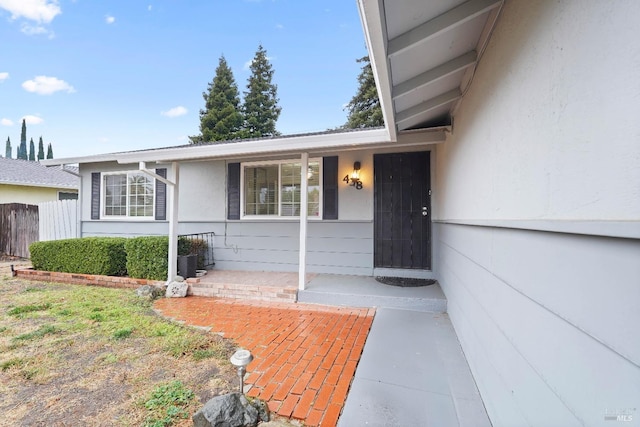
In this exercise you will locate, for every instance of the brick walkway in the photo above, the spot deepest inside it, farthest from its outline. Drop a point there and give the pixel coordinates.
(305, 355)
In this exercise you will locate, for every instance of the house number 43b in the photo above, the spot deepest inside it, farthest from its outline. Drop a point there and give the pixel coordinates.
(354, 182)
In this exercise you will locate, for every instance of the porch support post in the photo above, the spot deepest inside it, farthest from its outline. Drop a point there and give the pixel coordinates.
(172, 199)
(302, 263)
(172, 267)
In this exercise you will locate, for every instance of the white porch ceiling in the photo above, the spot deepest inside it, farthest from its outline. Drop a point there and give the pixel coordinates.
(424, 54)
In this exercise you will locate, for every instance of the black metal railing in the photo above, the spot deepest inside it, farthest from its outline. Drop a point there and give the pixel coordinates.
(200, 244)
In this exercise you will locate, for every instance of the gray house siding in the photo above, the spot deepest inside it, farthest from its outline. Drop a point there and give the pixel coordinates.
(528, 185)
(332, 246)
(527, 307)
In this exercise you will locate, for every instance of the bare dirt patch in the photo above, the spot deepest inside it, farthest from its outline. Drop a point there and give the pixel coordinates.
(80, 356)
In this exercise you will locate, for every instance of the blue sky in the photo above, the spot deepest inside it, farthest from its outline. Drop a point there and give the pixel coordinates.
(97, 77)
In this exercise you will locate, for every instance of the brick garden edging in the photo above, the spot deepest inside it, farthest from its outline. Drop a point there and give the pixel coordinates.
(84, 279)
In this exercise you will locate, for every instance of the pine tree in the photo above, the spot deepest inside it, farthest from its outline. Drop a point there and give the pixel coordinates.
(221, 119)
(49, 152)
(261, 110)
(40, 149)
(32, 151)
(364, 108)
(7, 150)
(22, 149)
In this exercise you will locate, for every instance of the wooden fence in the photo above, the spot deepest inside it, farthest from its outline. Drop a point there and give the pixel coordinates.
(58, 220)
(18, 228)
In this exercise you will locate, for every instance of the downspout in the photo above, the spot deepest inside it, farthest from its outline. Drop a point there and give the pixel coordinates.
(172, 187)
(302, 263)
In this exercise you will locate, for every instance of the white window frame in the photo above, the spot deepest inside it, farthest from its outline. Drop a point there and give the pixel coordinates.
(279, 163)
(127, 217)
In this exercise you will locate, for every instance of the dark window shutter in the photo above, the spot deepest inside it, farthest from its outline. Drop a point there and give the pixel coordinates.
(161, 196)
(330, 187)
(95, 195)
(233, 191)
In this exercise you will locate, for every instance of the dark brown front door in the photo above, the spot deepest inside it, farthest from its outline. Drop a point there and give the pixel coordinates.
(402, 210)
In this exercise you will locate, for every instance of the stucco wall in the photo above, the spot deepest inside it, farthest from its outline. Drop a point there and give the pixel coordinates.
(28, 195)
(547, 138)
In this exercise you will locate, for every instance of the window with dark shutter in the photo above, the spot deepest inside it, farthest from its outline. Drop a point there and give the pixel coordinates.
(330, 187)
(161, 196)
(233, 191)
(95, 195)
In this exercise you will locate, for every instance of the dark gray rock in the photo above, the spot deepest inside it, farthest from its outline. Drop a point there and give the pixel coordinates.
(149, 291)
(231, 410)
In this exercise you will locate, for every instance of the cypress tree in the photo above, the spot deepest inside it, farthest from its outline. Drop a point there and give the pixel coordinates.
(364, 108)
(7, 150)
(261, 110)
(22, 149)
(220, 120)
(40, 149)
(49, 152)
(32, 151)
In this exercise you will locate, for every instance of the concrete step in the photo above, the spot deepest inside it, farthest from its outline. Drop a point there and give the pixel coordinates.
(432, 305)
(364, 291)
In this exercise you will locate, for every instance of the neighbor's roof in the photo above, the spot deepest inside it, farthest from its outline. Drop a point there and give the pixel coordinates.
(33, 174)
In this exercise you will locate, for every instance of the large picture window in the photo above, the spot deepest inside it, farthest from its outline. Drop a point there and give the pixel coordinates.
(128, 194)
(273, 189)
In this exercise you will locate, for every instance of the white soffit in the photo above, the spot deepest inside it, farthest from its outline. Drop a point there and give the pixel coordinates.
(422, 52)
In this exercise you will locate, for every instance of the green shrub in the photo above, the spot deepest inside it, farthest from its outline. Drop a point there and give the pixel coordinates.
(89, 255)
(147, 257)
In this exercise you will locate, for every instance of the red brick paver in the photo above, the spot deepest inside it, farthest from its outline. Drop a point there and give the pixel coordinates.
(304, 355)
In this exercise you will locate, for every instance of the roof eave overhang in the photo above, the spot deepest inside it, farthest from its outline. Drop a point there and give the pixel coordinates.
(346, 141)
(375, 34)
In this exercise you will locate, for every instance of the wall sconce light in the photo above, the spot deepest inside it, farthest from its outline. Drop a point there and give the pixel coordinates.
(354, 179)
(240, 359)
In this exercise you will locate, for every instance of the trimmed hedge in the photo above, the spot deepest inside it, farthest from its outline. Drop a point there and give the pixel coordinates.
(89, 255)
(147, 257)
(139, 257)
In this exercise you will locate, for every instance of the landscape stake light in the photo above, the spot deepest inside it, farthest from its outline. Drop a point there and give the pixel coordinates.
(240, 359)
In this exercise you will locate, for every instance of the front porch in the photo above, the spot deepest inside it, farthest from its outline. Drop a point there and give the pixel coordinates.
(326, 289)
(412, 370)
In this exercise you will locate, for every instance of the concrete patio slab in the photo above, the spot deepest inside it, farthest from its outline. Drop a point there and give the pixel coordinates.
(413, 372)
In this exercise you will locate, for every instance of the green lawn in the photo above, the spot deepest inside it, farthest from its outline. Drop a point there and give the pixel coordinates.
(94, 356)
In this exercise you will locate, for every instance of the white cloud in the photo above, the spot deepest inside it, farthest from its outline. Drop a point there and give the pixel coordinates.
(175, 112)
(32, 120)
(109, 19)
(41, 11)
(149, 8)
(6, 122)
(31, 30)
(279, 27)
(43, 85)
(4, 76)
(104, 140)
